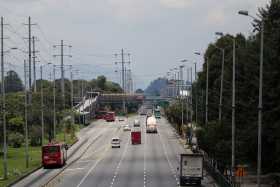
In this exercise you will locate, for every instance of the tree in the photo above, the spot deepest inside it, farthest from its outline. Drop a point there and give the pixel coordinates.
(139, 91)
(12, 82)
(101, 80)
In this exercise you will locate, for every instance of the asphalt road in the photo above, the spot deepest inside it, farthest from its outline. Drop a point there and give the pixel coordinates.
(151, 164)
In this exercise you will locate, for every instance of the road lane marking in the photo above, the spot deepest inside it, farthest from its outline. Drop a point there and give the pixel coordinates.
(92, 168)
(59, 176)
(145, 140)
(96, 163)
(168, 160)
(120, 162)
(73, 169)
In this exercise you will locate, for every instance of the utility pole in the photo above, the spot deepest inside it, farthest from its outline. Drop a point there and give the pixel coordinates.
(34, 64)
(42, 105)
(71, 82)
(61, 55)
(54, 111)
(3, 103)
(29, 24)
(62, 76)
(25, 117)
(123, 62)
(29, 56)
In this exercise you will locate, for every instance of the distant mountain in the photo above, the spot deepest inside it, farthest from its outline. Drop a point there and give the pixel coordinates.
(155, 86)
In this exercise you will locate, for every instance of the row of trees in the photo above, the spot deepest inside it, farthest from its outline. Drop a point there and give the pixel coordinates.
(215, 138)
(15, 105)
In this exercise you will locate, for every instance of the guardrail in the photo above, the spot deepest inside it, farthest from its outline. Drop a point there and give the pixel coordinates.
(218, 177)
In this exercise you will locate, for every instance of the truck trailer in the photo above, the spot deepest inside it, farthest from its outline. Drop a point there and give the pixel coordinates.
(151, 125)
(135, 137)
(191, 169)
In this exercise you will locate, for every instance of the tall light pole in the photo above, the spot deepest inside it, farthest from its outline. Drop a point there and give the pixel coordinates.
(207, 86)
(181, 93)
(260, 105)
(42, 103)
(196, 92)
(222, 81)
(232, 106)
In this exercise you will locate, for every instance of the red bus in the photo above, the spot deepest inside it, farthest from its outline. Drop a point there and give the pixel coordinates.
(54, 154)
(100, 114)
(110, 116)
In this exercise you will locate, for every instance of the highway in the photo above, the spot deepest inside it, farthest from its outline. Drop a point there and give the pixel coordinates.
(153, 163)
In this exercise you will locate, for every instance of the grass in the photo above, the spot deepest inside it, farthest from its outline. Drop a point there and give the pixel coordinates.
(16, 159)
(16, 163)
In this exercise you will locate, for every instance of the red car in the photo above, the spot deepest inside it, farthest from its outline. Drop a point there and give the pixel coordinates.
(54, 154)
(110, 116)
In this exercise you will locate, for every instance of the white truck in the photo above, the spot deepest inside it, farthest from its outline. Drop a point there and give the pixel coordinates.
(151, 125)
(191, 169)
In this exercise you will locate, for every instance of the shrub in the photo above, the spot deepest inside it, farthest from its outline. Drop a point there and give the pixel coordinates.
(16, 139)
(35, 136)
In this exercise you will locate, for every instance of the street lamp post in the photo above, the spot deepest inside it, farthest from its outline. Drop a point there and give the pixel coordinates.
(233, 107)
(260, 106)
(207, 86)
(222, 81)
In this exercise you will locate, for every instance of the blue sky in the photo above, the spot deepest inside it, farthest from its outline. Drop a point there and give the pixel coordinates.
(157, 33)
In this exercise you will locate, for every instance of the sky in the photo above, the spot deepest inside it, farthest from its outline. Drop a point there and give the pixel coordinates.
(157, 33)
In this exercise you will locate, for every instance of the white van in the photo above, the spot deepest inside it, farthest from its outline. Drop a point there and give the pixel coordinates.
(116, 142)
(136, 123)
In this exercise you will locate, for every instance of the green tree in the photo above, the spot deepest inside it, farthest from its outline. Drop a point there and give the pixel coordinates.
(12, 82)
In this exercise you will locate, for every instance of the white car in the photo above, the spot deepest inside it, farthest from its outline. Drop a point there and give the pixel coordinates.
(116, 142)
(126, 128)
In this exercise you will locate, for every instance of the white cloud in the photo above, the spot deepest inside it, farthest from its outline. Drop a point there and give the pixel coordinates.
(131, 10)
(216, 17)
(176, 3)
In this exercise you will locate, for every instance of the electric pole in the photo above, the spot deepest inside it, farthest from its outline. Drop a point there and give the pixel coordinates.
(3, 103)
(25, 117)
(34, 64)
(123, 62)
(54, 112)
(61, 55)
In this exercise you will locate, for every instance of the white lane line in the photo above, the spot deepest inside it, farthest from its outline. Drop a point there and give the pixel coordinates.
(145, 139)
(168, 160)
(95, 164)
(74, 169)
(91, 169)
(119, 164)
